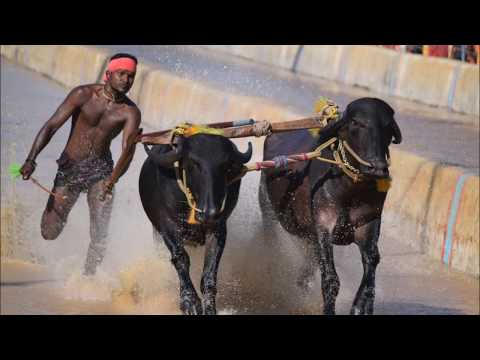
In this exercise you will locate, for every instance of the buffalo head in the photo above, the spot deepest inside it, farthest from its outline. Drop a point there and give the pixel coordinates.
(210, 163)
(369, 127)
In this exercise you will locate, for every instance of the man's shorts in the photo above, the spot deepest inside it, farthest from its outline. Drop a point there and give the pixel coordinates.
(81, 175)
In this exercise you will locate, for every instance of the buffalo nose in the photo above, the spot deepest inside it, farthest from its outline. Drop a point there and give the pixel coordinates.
(380, 168)
(209, 215)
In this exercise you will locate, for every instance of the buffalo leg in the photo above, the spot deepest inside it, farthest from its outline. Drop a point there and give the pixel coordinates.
(266, 207)
(311, 247)
(190, 303)
(213, 252)
(363, 303)
(267, 212)
(330, 281)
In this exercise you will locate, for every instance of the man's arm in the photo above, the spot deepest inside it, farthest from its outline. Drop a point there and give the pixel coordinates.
(73, 100)
(130, 133)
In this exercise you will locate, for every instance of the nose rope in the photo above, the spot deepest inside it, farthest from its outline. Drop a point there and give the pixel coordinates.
(355, 155)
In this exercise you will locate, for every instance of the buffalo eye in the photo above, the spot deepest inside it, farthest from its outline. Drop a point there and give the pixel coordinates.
(231, 168)
(356, 122)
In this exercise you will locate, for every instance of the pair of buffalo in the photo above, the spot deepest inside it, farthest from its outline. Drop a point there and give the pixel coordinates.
(313, 200)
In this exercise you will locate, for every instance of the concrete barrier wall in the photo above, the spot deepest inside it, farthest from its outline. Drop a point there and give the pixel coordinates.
(423, 79)
(371, 67)
(432, 207)
(322, 61)
(68, 64)
(438, 209)
(466, 94)
(278, 55)
(433, 81)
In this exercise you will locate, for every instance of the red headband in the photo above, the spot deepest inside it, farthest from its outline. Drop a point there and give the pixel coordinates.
(121, 63)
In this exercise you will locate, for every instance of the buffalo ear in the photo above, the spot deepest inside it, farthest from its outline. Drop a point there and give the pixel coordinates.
(388, 120)
(397, 134)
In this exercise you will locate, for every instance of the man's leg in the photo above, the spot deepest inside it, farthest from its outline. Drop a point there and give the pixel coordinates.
(100, 212)
(55, 215)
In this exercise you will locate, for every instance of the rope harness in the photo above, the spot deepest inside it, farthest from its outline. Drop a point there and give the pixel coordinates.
(182, 184)
(339, 158)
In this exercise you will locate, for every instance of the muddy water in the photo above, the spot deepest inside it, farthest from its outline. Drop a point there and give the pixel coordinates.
(44, 277)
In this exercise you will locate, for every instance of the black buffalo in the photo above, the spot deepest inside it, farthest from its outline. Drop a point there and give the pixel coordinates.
(212, 167)
(320, 204)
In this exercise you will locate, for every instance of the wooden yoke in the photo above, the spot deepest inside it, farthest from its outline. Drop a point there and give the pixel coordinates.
(164, 136)
(300, 124)
(237, 129)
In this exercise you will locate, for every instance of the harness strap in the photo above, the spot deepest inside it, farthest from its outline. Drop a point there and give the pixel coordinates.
(325, 145)
(355, 155)
(182, 184)
(345, 160)
(340, 159)
(355, 177)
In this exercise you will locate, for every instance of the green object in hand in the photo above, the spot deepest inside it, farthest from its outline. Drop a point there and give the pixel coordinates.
(14, 170)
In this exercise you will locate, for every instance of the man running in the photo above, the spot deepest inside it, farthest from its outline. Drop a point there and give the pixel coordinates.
(99, 113)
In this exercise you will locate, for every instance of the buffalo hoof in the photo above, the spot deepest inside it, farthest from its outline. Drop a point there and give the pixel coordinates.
(209, 307)
(190, 304)
(329, 310)
(356, 311)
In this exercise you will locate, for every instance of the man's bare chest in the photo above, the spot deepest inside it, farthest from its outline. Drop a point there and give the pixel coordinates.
(95, 113)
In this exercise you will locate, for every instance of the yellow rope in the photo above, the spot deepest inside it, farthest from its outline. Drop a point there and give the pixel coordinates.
(182, 184)
(348, 169)
(325, 145)
(188, 130)
(354, 154)
(355, 177)
(328, 109)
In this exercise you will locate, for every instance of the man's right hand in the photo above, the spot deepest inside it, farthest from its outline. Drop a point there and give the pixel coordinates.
(107, 187)
(28, 168)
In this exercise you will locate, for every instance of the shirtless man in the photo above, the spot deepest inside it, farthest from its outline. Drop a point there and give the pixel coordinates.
(99, 113)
